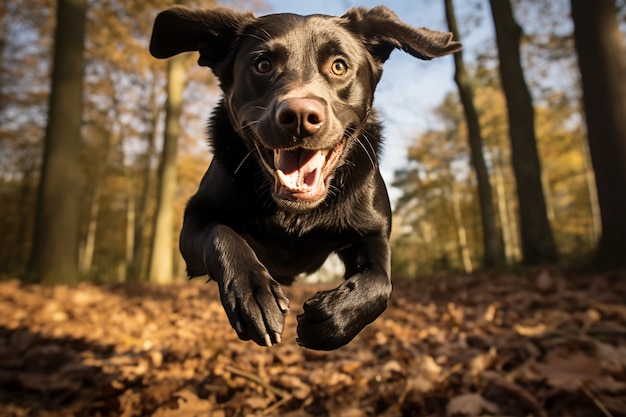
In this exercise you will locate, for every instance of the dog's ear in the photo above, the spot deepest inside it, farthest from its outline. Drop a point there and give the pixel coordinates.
(211, 32)
(383, 32)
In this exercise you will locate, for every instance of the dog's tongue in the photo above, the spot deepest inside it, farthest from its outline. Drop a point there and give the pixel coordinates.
(299, 172)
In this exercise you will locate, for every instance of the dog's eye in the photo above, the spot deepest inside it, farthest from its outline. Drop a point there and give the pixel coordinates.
(339, 67)
(263, 65)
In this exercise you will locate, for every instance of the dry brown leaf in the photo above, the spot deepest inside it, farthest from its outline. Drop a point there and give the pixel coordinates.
(129, 401)
(289, 355)
(616, 310)
(419, 384)
(347, 412)
(483, 361)
(469, 405)
(456, 312)
(490, 313)
(612, 359)
(567, 371)
(531, 331)
(294, 385)
(189, 405)
(391, 367)
(545, 282)
(257, 402)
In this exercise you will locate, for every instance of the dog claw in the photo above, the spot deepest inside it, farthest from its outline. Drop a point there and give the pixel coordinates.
(238, 327)
(284, 306)
(277, 337)
(268, 341)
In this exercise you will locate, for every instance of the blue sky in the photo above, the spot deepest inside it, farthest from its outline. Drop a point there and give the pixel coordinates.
(410, 88)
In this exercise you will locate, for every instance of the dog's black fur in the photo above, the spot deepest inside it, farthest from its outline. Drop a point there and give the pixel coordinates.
(295, 170)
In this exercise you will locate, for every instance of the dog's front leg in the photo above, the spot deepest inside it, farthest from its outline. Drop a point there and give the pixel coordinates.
(333, 318)
(253, 301)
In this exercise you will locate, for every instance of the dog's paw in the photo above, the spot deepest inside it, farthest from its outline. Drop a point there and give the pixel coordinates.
(333, 318)
(255, 306)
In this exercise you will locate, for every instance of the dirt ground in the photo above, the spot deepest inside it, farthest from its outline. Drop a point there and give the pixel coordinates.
(538, 343)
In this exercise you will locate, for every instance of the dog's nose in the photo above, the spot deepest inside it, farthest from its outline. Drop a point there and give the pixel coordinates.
(300, 116)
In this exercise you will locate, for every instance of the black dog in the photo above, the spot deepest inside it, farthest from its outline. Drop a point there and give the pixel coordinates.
(295, 170)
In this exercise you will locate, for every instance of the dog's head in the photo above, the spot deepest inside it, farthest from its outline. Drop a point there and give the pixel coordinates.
(298, 89)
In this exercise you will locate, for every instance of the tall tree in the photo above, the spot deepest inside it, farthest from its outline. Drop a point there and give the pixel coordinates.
(492, 234)
(538, 244)
(161, 267)
(600, 47)
(151, 114)
(54, 256)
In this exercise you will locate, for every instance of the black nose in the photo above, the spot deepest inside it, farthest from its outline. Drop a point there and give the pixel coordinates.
(300, 117)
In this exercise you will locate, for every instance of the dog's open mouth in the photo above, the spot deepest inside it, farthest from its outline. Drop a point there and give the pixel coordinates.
(301, 174)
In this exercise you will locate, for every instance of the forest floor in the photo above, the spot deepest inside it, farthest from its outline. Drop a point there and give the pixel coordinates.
(538, 343)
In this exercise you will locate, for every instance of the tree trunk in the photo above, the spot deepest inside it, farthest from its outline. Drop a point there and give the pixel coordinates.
(492, 235)
(130, 227)
(505, 213)
(108, 139)
(538, 244)
(461, 233)
(25, 210)
(86, 258)
(162, 254)
(54, 257)
(592, 192)
(138, 270)
(602, 62)
(430, 244)
(547, 192)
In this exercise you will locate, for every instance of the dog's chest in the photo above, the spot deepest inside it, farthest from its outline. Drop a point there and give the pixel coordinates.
(287, 255)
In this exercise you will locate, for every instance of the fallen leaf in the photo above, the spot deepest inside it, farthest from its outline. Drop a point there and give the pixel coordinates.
(531, 331)
(257, 403)
(545, 282)
(567, 371)
(470, 405)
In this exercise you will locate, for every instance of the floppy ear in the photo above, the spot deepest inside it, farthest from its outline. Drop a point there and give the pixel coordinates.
(383, 32)
(211, 32)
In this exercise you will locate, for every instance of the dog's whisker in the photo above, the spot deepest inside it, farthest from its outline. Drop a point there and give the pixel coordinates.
(268, 36)
(358, 140)
(253, 36)
(247, 125)
(257, 53)
(333, 191)
(365, 135)
(244, 160)
(371, 146)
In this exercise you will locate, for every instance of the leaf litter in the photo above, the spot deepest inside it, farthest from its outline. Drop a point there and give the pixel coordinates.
(538, 343)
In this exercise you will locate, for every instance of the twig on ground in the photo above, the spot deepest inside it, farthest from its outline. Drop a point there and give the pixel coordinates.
(254, 378)
(595, 400)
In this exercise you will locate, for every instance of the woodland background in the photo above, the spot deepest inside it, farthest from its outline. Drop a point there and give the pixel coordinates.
(122, 178)
(94, 178)
(512, 205)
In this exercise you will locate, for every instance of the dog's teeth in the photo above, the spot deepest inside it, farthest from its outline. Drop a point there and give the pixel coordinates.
(289, 182)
